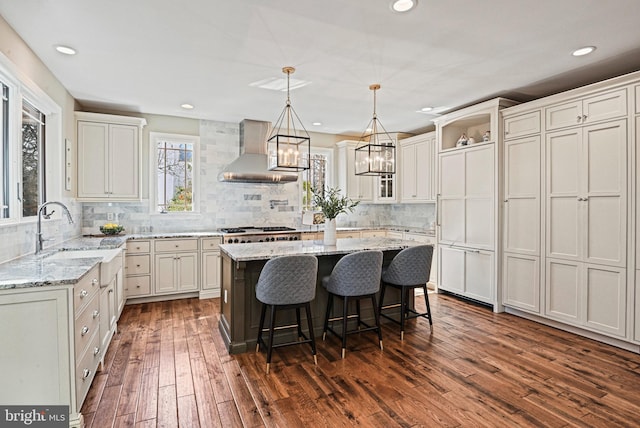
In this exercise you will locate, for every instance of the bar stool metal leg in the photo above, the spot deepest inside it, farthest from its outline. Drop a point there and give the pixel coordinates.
(307, 308)
(376, 315)
(271, 328)
(345, 317)
(326, 315)
(426, 300)
(263, 312)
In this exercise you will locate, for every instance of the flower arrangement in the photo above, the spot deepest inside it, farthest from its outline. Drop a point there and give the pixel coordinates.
(332, 203)
(111, 229)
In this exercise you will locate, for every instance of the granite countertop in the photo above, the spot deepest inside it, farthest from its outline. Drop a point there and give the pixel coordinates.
(39, 270)
(268, 250)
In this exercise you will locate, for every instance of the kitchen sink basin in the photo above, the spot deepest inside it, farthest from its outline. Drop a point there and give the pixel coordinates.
(109, 266)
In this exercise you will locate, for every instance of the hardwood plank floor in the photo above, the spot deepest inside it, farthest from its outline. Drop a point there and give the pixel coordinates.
(167, 367)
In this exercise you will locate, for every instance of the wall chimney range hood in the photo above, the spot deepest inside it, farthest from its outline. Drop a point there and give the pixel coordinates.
(251, 166)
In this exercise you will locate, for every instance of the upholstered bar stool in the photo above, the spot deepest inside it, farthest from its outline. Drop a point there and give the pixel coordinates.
(356, 276)
(409, 269)
(287, 282)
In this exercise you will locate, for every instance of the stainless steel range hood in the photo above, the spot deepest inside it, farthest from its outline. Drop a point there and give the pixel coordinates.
(251, 166)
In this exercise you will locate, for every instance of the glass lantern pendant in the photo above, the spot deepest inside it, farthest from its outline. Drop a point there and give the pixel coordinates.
(375, 153)
(289, 144)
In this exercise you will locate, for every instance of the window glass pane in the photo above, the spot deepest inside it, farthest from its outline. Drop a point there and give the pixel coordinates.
(313, 178)
(175, 176)
(4, 156)
(33, 126)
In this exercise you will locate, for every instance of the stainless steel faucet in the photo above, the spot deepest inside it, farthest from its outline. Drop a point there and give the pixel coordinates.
(39, 238)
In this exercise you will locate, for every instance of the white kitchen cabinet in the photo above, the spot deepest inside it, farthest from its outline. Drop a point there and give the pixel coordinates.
(637, 98)
(586, 194)
(377, 233)
(466, 202)
(587, 295)
(467, 272)
(176, 265)
(109, 156)
(597, 108)
(108, 315)
(356, 187)
(522, 196)
(137, 281)
(210, 268)
(522, 125)
(430, 240)
(521, 281)
(416, 168)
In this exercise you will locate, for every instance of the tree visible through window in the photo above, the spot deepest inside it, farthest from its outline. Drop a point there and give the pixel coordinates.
(313, 178)
(33, 185)
(175, 176)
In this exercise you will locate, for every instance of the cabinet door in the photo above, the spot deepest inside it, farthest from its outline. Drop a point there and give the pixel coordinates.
(452, 273)
(187, 275)
(409, 190)
(211, 271)
(563, 187)
(522, 196)
(165, 270)
(521, 281)
(606, 106)
(479, 278)
(124, 161)
(451, 203)
(479, 189)
(93, 159)
(564, 115)
(45, 359)
(563, 290)
(423, 171)
(524, 124)
(606, 299)
(605, 193)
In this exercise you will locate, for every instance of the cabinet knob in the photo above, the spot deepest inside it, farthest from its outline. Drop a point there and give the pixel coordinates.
(84, 330)
(137, 266)
(96, 350)
(584, 117)
(579, 118)
(111, 291)
(137, 286)
(94, 281)
(177, 246)
(83, 293)
(96, 314)
(85, 374)
(506, 200)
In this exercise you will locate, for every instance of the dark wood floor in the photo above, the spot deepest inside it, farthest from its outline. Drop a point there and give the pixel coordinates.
(168, 367)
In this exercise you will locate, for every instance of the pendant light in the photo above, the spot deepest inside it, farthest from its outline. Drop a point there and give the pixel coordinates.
(375, 153)
(289, 144)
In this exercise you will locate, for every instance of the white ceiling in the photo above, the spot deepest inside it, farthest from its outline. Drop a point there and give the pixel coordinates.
(151, 56)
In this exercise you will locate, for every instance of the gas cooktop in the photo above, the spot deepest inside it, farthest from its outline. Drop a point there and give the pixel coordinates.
(253, 229)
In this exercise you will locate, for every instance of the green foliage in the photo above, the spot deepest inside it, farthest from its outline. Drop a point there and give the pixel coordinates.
(182, 200)
(332, 203)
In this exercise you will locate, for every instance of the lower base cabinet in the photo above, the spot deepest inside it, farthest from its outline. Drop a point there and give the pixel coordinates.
(587, 295)
(521, 282)
(210, 268)
(467, 272)
(176, 273)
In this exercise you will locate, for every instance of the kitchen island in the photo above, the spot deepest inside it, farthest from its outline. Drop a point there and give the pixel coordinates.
(241, 267)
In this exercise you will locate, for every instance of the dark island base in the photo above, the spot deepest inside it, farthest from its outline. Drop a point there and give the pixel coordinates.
(241, 310)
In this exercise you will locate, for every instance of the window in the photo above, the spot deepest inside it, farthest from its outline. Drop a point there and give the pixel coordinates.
(175, 163)
(316, 177)
(33, 159)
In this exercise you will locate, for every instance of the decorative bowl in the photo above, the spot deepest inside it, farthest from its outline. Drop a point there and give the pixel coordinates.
(111, 229)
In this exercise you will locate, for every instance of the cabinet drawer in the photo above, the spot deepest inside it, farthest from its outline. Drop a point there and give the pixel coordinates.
(138, 265)
(135, 247)
(84, 289)
(87, 323)
(137, 286)
(210, 244)
(172, 245)
(373, 234)
(348, 234)
(86, 368)
(423, 239)
(524, 124)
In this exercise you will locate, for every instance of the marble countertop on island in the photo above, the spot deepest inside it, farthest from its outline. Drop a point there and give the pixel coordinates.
(268, 250)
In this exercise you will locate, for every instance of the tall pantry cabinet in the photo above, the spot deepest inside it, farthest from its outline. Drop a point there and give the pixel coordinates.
(468, 218)
(569, 247)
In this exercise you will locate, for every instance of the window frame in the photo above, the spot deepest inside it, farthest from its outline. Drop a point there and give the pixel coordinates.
(154, 138)
(21, 87)
(329, 154)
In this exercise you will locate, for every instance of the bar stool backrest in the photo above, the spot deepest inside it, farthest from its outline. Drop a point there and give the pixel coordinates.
(356, 274)
(288, 280)
(411, 266)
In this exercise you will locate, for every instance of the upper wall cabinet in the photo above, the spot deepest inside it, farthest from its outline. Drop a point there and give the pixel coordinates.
(609, 105)
(416, 168)
(109, 155)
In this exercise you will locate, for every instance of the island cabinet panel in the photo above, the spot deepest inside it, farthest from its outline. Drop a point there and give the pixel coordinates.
(240, 309)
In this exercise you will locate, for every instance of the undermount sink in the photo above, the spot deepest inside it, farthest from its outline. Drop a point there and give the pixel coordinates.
(109, 266)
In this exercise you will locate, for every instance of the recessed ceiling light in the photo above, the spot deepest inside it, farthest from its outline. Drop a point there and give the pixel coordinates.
(583, 51)
(317, 123)
(65, 50)
(187, 106)
(280, 84)
(426, 109)
(403, 5)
